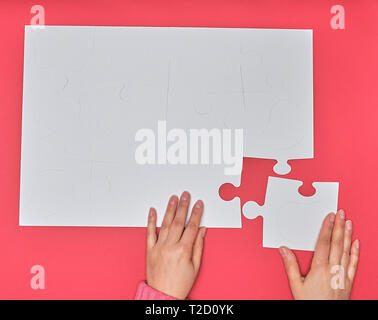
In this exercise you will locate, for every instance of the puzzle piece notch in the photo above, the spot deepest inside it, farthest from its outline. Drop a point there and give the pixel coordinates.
(254, 180)
(289, 218)
(227, 191)
(307, 189)
(252, 210)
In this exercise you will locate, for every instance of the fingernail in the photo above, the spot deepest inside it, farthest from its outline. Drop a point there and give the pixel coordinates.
(198, 204)
(342, 214)
(282, 252)
(172, 201)
(203, 234)
(150, 213)
(185, 196)
(332, 218)
(349, 225)
(357, 243)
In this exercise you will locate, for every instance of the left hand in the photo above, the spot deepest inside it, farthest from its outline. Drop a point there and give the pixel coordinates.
(174, 256)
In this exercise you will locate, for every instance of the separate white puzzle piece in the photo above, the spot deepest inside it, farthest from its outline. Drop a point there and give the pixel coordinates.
(290, 219)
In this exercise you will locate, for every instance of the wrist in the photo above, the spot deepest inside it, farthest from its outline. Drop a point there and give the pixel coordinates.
(146, 292)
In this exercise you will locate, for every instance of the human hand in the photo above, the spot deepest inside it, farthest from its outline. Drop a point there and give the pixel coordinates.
(174, 256)
(333, 266)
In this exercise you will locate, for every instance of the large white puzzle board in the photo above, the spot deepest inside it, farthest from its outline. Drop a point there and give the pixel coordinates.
(88, 90)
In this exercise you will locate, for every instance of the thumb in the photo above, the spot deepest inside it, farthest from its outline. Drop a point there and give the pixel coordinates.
(291, 267)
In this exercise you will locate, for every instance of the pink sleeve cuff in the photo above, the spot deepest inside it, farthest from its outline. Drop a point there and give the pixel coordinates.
(145, 292)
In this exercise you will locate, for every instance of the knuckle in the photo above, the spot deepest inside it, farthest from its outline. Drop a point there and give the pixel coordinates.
(337, 239)
(196, 213)
(337, 243)
(318, 263)
(177, 223)
(325, 241)
(192, 226)
(354, 259)
(184, 248)
(163, 228)
(183, 206)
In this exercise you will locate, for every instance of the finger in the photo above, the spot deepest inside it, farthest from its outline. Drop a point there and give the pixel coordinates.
(151, 229)
(353, 261)
(337, 241)
(168, 217)
(198, 248)
(347, 243)
(178, 223)
(323, 245)
(191, 229)
(291, 267)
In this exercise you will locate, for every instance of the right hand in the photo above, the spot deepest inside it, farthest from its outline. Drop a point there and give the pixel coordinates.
(335, 257)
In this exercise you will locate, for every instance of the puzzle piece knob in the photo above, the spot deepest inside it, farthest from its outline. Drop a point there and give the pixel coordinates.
(282, 167)
(252, 210)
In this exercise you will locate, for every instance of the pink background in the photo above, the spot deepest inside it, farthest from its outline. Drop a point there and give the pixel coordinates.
(104, 263)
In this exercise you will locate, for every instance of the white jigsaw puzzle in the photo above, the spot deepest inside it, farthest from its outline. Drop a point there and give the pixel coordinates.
(290, 219)
(88, 90)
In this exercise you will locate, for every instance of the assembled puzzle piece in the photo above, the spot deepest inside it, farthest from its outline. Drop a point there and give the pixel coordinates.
(277, 98)
(289, 218)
